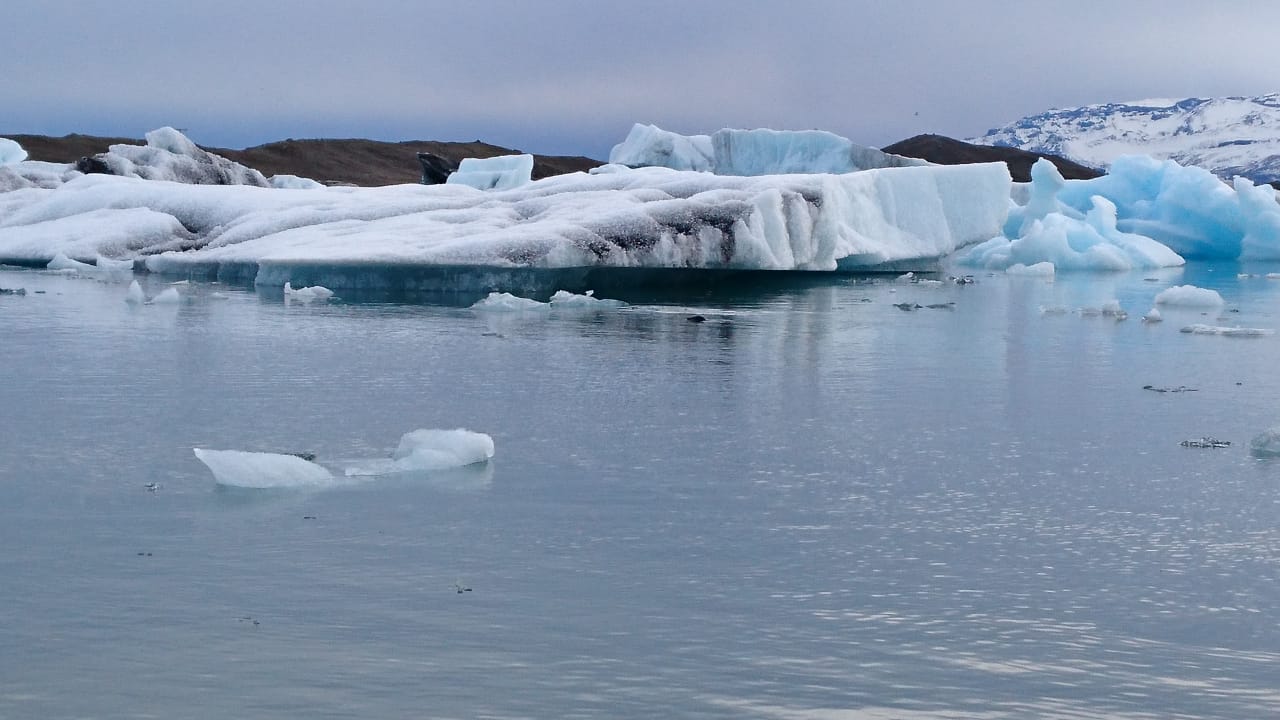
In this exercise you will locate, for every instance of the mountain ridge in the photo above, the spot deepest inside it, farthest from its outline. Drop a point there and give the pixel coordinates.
(1228, 136)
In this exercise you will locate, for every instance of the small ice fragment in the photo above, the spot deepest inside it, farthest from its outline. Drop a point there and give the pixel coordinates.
(61, 262)
(1199, 329)
(307, 294)
(1053, 310)
(169, 296)
(1152, 316)
(506, 302)
(565, 299)
(135, 295)
(1189, 296)
(1266, 444)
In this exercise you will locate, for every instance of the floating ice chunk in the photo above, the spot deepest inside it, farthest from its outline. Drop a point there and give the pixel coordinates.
(1199, 329)
(1189, 296)
(262, 470)
(135, 295)
(1054, 310)
(1040, 269)
(1112, 308)
(429, 449)
(64, 263)
(107, 265)
(496, 173)
(307, 294)
(506, 302)
(566, 299)
(11, 152)
(1152, 316)
(168, 296)
(1266, 444)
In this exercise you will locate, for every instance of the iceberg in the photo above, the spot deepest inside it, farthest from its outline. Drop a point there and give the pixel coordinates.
(1187, 209)
(1045, 230)
(170, 155)
(650, 218)
(496, 173)
(11, 152)
(240, 468)
(751, 152)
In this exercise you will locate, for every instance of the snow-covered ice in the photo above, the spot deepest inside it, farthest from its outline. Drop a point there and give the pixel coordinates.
(1189, 296)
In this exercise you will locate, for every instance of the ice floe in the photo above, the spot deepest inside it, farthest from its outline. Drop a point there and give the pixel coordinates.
(1189, 296)
(419, 451)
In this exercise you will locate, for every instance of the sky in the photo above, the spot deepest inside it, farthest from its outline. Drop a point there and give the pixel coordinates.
(571, 76)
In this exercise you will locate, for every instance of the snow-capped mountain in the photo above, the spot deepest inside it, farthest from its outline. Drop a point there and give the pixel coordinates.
(1229, 136)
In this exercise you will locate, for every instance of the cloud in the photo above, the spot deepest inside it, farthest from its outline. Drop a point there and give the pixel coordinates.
(574, 74)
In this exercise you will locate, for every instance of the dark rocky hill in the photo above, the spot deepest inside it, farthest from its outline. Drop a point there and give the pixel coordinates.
(947, 151)
(355, 162)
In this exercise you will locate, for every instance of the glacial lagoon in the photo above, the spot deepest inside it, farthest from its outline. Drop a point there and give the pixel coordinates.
(820, 502)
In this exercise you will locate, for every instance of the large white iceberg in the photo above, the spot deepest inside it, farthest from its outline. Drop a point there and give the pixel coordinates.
(496, 173)
(751, 152)
(651, 217)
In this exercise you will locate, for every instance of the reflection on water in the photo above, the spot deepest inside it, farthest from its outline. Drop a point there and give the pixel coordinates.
(813, 504)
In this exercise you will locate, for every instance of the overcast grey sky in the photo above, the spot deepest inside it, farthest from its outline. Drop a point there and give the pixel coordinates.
(571, 76)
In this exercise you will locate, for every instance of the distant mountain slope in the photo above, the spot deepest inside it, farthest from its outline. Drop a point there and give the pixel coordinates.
(358, 162)
(1229, 136)
(948, 151)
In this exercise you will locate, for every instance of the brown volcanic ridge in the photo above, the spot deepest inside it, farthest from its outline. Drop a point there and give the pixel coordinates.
(372, 162)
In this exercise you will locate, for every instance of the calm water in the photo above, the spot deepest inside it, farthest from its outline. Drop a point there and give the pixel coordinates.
(814, 505)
